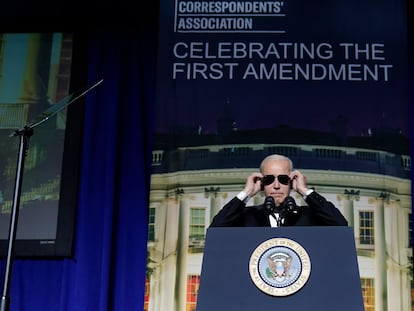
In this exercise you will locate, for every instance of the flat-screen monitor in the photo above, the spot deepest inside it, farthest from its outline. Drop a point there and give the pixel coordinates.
(38, 71)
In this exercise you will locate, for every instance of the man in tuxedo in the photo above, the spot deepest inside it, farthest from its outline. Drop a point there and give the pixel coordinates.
(277, 179)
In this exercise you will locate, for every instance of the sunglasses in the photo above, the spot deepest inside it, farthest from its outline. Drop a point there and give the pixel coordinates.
(269, 179)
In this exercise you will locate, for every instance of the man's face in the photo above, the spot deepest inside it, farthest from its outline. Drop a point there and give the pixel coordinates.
(278, 188)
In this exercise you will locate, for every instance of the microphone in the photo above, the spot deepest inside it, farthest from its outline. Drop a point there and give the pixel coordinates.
(288, 210)
(269, 205)
(290, 205)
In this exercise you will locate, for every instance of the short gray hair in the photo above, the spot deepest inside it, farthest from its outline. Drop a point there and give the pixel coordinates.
(277, 157)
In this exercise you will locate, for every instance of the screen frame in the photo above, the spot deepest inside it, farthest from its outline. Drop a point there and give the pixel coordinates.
(63, 244)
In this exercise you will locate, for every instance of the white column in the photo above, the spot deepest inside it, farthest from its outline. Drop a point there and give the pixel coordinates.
(348, 211)
(398, 265)
(213, 194)
(182, 252)
(163, 255)
(381, 296)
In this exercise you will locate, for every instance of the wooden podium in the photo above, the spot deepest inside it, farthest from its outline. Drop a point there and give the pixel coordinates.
(231, 281)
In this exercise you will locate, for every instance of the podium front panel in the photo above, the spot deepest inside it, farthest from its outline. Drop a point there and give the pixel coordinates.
(333, 282)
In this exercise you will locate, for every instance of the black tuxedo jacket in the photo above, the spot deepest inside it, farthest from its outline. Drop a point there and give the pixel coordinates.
(319, 212)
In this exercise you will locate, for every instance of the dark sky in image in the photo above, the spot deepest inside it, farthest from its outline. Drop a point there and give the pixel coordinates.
(367, 108)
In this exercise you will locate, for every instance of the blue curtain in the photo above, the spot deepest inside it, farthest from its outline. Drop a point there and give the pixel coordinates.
(107, 271)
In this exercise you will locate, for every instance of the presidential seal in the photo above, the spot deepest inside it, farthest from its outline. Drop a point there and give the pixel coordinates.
(279, 267)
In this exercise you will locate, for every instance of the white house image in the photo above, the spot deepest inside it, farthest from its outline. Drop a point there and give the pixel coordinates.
(371, 188)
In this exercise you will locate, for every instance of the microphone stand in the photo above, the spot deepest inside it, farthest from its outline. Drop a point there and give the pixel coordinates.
(25, 134)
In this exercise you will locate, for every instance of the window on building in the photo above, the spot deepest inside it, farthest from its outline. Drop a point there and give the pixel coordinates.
(197, 222)
(193, 283)
(368, 293)
(366, 228)
(197, 229)
(151, 224)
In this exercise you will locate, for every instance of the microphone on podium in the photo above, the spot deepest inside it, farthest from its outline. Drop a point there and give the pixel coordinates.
(290, 205)
(270, 207)
(288, 209)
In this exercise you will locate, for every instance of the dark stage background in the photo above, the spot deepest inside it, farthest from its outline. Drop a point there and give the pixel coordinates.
(117, 42)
